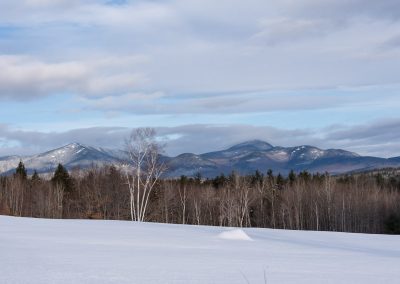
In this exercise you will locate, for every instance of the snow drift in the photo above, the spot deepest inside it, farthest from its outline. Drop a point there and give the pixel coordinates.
(236, 234)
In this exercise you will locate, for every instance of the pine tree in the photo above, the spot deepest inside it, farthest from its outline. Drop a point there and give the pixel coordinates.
(280, 181)
(292, 177)
(219, 181)
(21, 171)
(61, 177)
(270, 176)
(35, 176)
(257, 178)
(198, 178)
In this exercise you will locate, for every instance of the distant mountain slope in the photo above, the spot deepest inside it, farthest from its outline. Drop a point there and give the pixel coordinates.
(250, 156)
(71, 155)
(244, 158)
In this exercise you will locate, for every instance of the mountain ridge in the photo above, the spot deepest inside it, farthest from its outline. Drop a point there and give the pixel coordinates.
(244, 158)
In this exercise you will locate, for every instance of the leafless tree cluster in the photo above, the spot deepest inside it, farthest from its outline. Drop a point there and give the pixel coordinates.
(98, 193)
(320, 202)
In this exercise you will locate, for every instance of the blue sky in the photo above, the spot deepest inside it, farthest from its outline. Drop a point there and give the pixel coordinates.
(207, 74)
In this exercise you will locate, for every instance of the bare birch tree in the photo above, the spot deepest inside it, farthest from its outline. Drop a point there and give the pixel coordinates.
(143, 152)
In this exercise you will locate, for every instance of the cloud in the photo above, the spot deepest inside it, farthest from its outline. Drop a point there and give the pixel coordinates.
(343, 10)
(269, 101)
(136, 15)
(22, 77)
(25, 77)
(49, 3)
(23, 142)
(381, 137)
(205, 138)
(130, 102)
(376, 138)
(202, 46)
(201, 57)
(278, 30)
(388, 129)
(392, 43)
(187, 138)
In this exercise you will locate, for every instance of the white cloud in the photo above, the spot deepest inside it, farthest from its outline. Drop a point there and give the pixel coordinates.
(25, 77)
(206, 46)
(278, 30)
(49, 3)
(245, 102)
(136, 15)
(133, 102)
(377, 138)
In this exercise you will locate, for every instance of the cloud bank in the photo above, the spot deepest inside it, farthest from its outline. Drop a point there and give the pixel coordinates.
(378, 138)
(332, 62)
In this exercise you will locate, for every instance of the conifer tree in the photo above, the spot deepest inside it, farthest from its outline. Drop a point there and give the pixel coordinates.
(35, 176)
(61, 177)
(292, 177)
(21, 171)
(280, 181)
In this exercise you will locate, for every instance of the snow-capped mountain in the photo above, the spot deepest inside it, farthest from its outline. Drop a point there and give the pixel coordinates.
(250, 156)
(71, 155)
(244, 158)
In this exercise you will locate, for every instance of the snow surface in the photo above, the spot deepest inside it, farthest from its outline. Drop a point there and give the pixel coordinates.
(236, 234)
(87, 251)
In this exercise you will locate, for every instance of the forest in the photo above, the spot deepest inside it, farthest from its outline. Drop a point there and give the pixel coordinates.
(362, 203)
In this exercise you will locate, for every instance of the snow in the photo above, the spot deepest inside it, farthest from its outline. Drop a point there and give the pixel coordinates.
(278, 155)
(88, 251)
(236, 234)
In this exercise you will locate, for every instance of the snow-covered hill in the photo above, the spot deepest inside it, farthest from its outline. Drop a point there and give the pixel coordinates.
(82, 251)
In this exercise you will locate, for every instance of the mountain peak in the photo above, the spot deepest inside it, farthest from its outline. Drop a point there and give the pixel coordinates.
(253, 145)
(74, 145)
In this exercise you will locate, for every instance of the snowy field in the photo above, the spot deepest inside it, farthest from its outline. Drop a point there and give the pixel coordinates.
(83, 251)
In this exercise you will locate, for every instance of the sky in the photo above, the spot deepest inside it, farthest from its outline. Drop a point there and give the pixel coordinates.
(206, 74)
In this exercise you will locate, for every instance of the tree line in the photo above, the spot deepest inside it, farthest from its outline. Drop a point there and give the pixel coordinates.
(364, 203)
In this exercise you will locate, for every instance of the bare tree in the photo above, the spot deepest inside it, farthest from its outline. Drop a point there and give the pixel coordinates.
(183, 199)
(143, 151)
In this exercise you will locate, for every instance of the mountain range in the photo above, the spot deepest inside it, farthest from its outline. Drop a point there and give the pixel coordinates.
(244, 158)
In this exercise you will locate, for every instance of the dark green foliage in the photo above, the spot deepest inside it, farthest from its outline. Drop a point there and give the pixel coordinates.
(183, 181)
(219, 181)
(305, 176)
(198, 178)
(380, 180)
(392, 224)
(21, 171)
(257, 178)
(346, 179)
(280, 181)
(320, 177)
(61, 177)
(232, 177)
(270, 174)
(35, 177)
(292, 177)
(394, 182)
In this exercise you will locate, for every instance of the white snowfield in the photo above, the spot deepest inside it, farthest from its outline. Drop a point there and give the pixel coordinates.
(85, 251)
